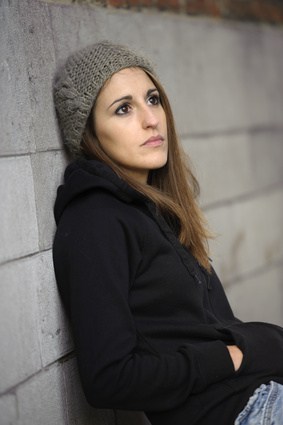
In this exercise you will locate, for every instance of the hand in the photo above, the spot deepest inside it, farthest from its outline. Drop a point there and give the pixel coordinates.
(236, 356)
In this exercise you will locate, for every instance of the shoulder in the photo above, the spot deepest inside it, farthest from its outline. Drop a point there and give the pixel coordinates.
(101, 206)
(100, 215)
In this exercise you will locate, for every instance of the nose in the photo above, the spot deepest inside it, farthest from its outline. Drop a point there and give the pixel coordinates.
(149, 117)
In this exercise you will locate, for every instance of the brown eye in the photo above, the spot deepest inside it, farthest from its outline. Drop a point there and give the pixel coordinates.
(123, 109)
(154, 100)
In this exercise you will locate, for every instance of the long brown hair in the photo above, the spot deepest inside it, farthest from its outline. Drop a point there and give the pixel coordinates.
(173, 188)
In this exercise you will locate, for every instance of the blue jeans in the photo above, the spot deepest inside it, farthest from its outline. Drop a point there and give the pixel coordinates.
(265, 406)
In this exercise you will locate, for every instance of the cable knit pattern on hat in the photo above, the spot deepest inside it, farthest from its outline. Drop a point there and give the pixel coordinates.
(77, 85)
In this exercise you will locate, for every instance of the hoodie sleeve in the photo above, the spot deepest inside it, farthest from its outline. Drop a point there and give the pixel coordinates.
(95, 261)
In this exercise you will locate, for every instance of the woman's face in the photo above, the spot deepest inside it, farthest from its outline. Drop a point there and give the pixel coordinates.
(130, 123)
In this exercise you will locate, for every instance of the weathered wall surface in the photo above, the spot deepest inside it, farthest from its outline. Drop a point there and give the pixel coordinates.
(225, 83)
(245, 10)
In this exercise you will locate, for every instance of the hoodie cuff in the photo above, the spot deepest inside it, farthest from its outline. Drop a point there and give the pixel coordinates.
(214, 361)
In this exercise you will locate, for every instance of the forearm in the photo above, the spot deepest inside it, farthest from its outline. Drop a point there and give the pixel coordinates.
(146, 381)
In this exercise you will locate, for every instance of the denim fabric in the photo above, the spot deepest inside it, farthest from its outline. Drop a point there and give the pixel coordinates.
(265, 407)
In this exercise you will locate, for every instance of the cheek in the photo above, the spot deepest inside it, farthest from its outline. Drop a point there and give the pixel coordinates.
(101, 127)
(162, 119)
(111, 140)
(103, 133)
(115, 135)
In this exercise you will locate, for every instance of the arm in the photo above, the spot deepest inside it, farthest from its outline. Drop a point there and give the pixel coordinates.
(95, 265)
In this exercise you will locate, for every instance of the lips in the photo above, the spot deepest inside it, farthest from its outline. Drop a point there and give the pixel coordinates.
(154, 141)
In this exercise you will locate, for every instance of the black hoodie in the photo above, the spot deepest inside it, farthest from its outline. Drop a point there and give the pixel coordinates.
(150, 324)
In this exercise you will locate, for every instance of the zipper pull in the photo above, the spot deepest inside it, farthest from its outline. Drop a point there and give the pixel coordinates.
(196, 276)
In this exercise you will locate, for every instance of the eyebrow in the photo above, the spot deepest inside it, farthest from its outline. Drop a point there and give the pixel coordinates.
(129, 97)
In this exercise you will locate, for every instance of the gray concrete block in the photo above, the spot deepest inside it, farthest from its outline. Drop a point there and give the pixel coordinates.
(235, 165)
(48, 169)
(55, 336)
(250, 235)
(266, 158)
(272, 51)
(41, 399)
(147, 35)
(20, 351)
(40, 60)
(74, 27)
(259, 297)
(8, 410)
(222, 166)
(225, 80)
(18, 234)
(79, 411)
(15, 108)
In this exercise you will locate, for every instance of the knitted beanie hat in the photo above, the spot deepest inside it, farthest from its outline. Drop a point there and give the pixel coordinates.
(78, 83)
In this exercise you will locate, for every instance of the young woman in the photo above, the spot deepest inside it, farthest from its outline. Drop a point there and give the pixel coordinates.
(152, 326)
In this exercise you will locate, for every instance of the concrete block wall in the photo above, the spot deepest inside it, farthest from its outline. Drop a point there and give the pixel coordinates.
(224, 81)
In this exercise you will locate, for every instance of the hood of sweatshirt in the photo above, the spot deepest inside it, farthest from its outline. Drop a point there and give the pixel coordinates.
(85, 175)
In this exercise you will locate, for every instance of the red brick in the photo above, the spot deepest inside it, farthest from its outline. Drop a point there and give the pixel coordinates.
(255, 10)
(133, 3)
(203, 7)
(267, 11)
(117, 3)
(147, 3)
(248, 10)
(168, 4)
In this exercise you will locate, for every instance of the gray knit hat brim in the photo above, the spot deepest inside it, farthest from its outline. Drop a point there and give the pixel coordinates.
(79, 82)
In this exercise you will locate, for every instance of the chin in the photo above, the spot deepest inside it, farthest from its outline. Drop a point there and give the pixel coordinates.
(158, 165)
